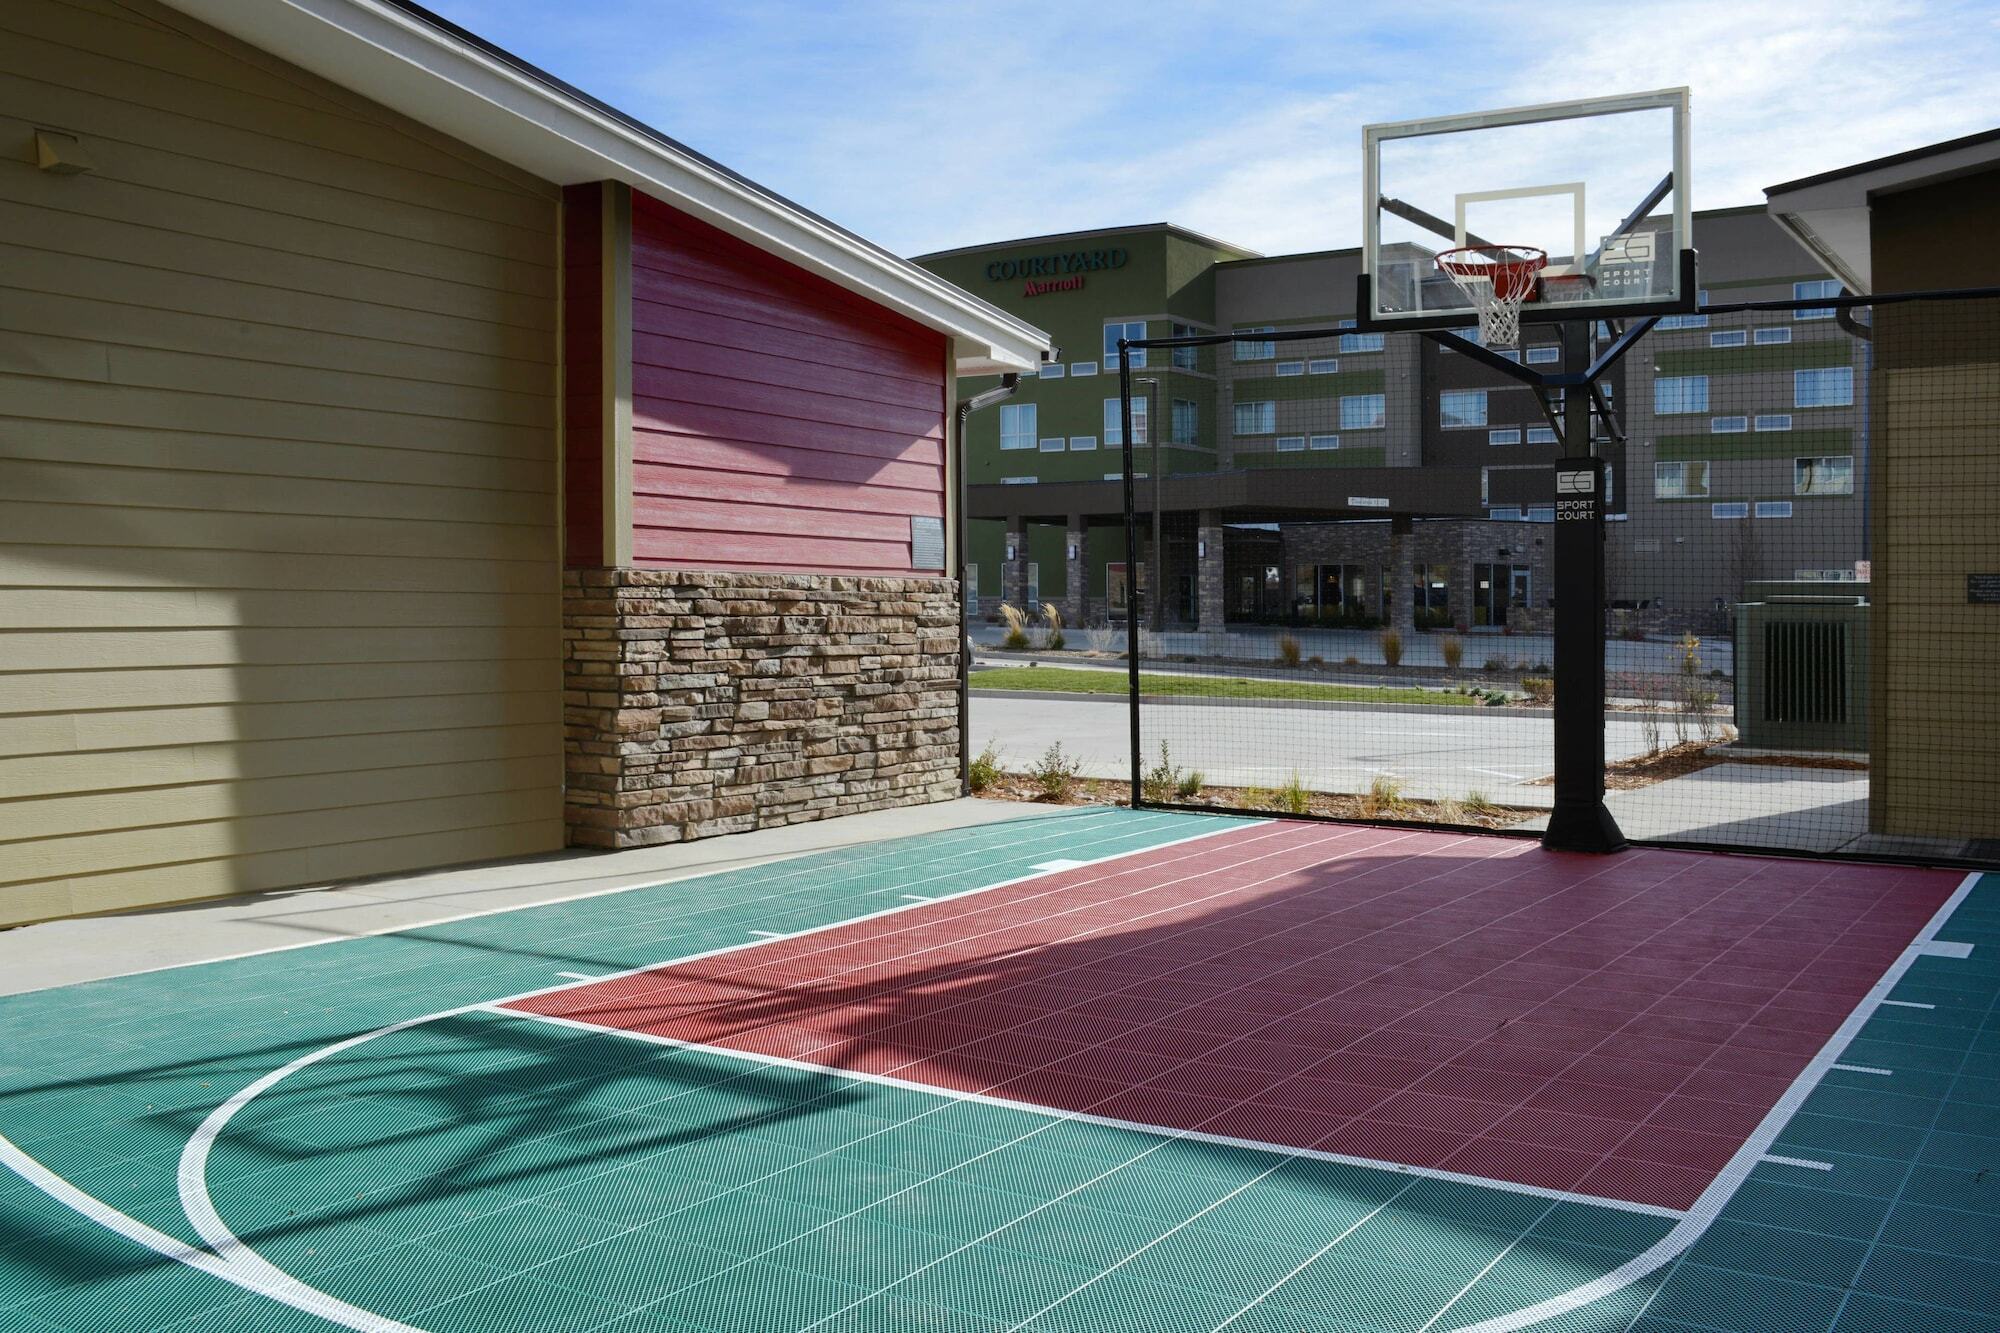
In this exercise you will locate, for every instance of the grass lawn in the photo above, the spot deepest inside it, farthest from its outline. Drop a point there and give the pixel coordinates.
(1061, 680)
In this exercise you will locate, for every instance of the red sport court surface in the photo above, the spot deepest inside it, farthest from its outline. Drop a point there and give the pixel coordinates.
(1607, 1027)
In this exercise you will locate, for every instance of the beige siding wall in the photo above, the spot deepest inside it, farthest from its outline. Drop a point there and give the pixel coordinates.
(278, 576)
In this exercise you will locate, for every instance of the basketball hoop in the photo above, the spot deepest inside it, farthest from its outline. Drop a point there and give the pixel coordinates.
(1495, 280)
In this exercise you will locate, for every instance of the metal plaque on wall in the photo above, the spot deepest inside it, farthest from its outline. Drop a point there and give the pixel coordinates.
(927, 543)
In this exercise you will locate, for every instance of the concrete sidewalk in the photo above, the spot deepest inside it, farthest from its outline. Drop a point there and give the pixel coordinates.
(61, 953)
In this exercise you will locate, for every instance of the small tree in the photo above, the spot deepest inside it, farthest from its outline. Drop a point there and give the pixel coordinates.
(1392, 648)
(1453, 649)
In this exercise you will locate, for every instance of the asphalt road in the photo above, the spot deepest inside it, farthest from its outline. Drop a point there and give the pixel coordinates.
(1434, 752)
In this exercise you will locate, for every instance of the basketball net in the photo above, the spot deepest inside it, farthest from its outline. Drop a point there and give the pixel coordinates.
(1495, 280)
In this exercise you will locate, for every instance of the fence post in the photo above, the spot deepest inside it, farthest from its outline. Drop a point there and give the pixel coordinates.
(1131, 560)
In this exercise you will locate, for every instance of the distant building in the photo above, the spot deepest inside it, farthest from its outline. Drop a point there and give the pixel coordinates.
(1311, 479)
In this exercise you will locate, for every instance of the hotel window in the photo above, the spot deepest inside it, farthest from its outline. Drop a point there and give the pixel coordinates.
(1774, 509)
(1680, 393)
(1186, 358)
(1730, 509)
(1541, 513)
(1806, 291)
(1325, 442)
(1078, 369)
(1256, 351)
(1052, 371)
(1773, 421)
(1017, 425)
(1506, 354)
(1187, 421)
(1544, 356)
(1019, 481)
(1460, 409)
(1362, 411)
(1823, 476)
(1052, 444)
(1764, 337)
(1114, 424)
(1686, 321)
(1323, 365)
(1506, 514)
(1825, 576)
(1729, 338)
(1360, 342)
(1728, 425)
(1541, 435)
(1832, 386)
(1082, 444)
(1256, 418)
(1679, 481)
(1291, 444)
(1507, 435)
(1134, 330)
(1289, 368)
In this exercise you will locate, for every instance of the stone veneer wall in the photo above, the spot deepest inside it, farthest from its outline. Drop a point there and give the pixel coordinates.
(698, 703)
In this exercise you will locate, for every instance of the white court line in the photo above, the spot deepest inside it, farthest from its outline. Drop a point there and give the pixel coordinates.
(1060, 863)
(1112, 1122)
(1494, 772)
(1909, 1004)
(918, 898)
(1864, 1069)
(769, 934)
(237, 1263)
(581, 976)
(1723, 1188)
(1798, 1161)
(1948, 949)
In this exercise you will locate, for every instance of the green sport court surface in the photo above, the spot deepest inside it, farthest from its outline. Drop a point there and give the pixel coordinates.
(1094, 1070)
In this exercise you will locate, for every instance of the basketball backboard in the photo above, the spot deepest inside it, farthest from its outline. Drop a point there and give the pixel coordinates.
(1599, 186)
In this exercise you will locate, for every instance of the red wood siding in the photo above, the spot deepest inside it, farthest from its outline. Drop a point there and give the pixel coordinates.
(583, 376)
(779, 422)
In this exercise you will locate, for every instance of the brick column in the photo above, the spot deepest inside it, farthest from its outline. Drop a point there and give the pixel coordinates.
(1210, 592)
(1076, 572)
(1402, 568)
(1014, 572)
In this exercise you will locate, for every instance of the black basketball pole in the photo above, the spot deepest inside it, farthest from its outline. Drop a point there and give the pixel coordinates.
(1579, 822)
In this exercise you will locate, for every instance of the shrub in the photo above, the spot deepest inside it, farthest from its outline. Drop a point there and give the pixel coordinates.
(985, 768)
(1162, 780)
(1494, 664)
(1690, 647)
(1056, 773)
(1288, 650)
(1256, 798)
(1350, 660)
(1461, 628)
(1448, 811)
(1385, 797)
(1317, 660)
(1017, 627)
(1477, 803)
(1293, 797)
(1190, 784)
(1453, 649)
(1392, 648)
(1541, 690)
(1052, 614)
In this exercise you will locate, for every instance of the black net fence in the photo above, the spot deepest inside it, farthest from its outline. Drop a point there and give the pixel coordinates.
(1344, 577)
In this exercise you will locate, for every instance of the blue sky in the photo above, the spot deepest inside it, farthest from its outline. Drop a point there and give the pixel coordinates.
(925, 126)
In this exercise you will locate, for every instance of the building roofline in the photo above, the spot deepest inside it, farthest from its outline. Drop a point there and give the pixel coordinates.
(1893, 160)
(1091, 233)
(402, 56)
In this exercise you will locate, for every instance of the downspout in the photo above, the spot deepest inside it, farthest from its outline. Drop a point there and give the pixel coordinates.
(1008, 383)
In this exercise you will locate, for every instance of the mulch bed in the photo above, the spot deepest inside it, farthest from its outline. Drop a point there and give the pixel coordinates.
(1099, 791)
(1676, 761)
